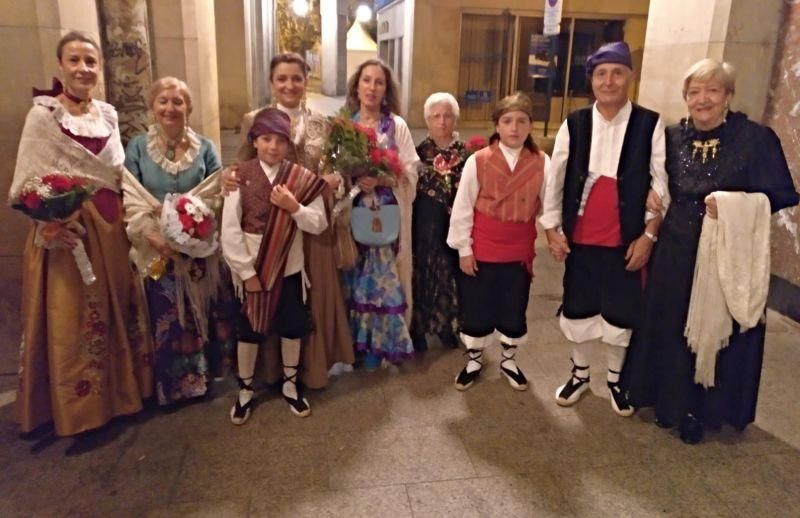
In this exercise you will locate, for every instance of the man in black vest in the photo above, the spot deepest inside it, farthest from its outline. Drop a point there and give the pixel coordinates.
(606, 158)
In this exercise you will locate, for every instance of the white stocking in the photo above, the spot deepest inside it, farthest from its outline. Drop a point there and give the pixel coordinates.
(246, 353)
(290, 354)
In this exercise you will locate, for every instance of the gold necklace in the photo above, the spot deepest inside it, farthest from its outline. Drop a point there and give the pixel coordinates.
(703, 147)
(171, 144)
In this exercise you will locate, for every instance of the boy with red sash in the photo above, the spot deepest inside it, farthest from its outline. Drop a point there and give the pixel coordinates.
(262, 241)
(606, 158)
(493, 227)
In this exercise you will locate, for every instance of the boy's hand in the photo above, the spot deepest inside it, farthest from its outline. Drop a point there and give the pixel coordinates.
(557, 243)
(468, 265)
(283, 198)
(253, 284)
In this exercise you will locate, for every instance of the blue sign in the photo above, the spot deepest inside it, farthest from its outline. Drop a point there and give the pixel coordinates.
(380, 4)
(478, 96)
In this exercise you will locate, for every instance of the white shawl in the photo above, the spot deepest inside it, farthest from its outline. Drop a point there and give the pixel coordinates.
(731, 277)
(141, 217)
(45, 149)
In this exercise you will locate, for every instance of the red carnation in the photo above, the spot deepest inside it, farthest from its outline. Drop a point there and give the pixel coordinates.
(181, 205)
(376, 156)
(59, 183)
(31, 200)
(187, 222)
(204, 228)
(368, 132)
(476, 143)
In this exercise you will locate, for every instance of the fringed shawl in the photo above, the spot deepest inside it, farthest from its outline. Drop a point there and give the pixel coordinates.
(279, 233)
(141, 217)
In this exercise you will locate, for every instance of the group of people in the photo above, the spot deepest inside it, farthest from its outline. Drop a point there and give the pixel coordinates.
(295, 288)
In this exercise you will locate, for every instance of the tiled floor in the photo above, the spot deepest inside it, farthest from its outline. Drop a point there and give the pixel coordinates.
(408, 444)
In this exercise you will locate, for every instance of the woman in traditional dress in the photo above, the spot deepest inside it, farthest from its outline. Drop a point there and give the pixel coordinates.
(86, 352)
(329, 344)
(713, 150)
(190, 311)
(379, 286)
(435, 263)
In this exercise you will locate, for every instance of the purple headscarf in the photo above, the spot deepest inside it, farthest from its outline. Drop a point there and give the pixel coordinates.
(270, 120)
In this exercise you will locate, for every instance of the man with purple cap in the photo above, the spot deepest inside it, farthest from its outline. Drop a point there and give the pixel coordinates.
(262, 240)
(607, 157)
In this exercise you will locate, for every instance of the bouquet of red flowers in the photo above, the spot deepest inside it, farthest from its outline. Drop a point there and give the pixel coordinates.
(475, 144)
(189, 225)
(355, 150)
(56, 197)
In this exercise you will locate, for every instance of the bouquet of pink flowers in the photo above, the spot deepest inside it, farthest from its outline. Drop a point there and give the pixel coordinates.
(56, 197)
(189, 225)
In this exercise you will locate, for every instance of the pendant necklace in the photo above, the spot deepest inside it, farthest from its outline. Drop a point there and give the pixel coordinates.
(171, 143)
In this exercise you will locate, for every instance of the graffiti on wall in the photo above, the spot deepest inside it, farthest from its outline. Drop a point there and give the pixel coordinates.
(128, 67)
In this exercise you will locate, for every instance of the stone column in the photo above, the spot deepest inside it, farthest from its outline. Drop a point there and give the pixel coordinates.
(681, 32)
(261, 43)
(185, 46)
(334, 46)
(126, 45)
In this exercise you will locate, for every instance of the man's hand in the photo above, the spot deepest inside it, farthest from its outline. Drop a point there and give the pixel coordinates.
(230, 179)
(468, 265)
(557, 243)
(282, 197)
(654, 203)
(711, 206)
(333, 181)
(252, 284)
(638, 254)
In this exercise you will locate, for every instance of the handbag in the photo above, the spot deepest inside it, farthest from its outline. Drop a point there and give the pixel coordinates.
(375, 225)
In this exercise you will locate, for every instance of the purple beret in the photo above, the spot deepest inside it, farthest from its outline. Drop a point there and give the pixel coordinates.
(617, 52)
(270, 120)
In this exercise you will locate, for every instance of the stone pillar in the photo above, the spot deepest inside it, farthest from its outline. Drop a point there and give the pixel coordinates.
(126, 45)
(185, 46)
(681, 32)
(261, 43)
(334, 46)
(783, 115)
(231, 64)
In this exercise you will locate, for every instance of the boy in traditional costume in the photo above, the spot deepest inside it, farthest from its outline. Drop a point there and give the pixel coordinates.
(262, 241)
(605, 160)
(493, 227)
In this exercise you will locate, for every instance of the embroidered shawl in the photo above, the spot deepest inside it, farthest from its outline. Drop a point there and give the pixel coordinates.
(45, 149)
(279, 233)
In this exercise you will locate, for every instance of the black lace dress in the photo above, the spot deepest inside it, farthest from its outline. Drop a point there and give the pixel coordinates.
(435, 264)
(739, 155)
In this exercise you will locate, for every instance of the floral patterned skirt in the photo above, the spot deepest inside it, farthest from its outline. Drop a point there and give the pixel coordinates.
(184, 361)
(377, 305)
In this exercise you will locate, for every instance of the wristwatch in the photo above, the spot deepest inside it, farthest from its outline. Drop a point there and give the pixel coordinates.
(652, 237)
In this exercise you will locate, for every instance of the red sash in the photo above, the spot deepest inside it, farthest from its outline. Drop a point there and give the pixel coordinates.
(495, 241)
(599, 225)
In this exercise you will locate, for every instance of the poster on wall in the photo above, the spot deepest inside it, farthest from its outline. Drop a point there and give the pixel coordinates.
(539, 65)
(552, 17)
(128, 71)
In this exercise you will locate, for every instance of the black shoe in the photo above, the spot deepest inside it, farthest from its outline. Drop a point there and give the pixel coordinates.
(420, 342)
(619, 400)
(299, 406)
(515, 378)
(241, 413)
(450, 340)
(466, 379)
(691, 429)
(570, 392)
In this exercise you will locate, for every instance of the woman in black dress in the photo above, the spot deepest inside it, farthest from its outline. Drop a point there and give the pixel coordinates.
(714, 150)
(435, 264)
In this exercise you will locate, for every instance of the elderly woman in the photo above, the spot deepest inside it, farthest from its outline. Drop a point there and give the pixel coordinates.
(329, 344)
(86, 354)
(173, 158)
(380, 283)
(715, 149)
(435, 263)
